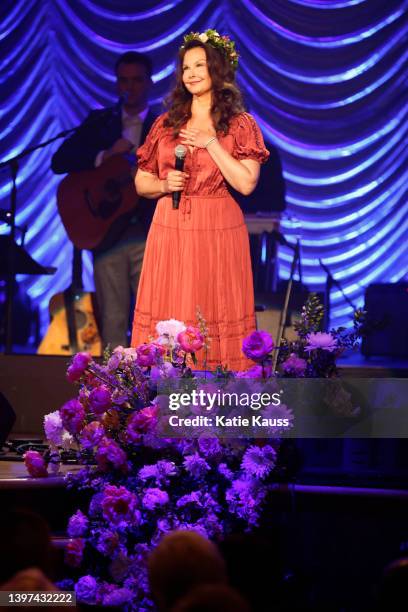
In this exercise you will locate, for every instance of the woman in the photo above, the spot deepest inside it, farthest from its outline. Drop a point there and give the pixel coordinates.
(198, 255)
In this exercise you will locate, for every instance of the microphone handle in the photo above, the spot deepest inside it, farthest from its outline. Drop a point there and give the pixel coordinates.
(176, 195)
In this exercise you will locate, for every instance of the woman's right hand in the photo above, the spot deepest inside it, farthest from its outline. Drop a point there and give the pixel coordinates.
(176, 180)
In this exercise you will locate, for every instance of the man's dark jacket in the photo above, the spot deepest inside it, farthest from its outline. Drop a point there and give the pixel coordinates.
(99, 132)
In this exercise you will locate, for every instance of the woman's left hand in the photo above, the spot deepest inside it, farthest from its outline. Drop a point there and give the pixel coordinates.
(193, 137)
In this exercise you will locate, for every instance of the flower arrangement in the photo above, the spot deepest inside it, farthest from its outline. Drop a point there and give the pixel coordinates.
(222, 43)
(142, 486)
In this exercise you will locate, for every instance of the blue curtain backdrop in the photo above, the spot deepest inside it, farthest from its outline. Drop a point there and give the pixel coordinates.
(326, 79)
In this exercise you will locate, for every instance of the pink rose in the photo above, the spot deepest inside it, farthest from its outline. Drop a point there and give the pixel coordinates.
(190, 340)
(147, 355)
(35, 464)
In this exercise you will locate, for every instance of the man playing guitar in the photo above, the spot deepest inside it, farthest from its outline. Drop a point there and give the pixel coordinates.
(120, 217)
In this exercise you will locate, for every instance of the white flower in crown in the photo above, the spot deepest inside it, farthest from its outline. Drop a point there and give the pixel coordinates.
(169, 330)
(203, 37)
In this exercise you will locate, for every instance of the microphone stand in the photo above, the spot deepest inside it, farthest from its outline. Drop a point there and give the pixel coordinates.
(12, 163)
(284, 312)
(330, 282)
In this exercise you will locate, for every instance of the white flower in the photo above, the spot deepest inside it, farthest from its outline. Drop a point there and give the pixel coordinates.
(169, 330)
(53, 427)
(55, 432)
(203, 38)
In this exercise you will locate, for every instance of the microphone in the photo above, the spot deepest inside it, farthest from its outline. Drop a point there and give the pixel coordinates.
(180, 152)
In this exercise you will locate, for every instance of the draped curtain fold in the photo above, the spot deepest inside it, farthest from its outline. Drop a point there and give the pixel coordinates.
(326, 79)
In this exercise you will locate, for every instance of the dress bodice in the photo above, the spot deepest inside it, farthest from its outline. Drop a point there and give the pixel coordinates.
(243, 141)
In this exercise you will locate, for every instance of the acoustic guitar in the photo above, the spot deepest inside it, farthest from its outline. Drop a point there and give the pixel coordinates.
(73, 325)
(94, 204)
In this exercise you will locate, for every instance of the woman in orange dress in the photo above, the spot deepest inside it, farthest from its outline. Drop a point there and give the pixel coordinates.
(198, 255)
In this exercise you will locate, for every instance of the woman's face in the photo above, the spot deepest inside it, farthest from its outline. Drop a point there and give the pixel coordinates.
(196, 77)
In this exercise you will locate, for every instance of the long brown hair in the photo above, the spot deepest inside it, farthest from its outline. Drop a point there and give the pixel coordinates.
(226, 99)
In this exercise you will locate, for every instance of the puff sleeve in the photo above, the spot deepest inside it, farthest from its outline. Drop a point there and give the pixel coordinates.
(249, 142)
(147, 152)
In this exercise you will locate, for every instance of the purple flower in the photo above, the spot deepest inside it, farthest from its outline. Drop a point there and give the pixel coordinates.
(119, 506)
(161, 471)
(95, 506)
(209, 447)
(196, 465)
(73, 416)
(140, 422)
(224, 470)
(321, 340)
(92, 434)
(77, 525)
(155, 498)
(100, 399)
(294, 365)
(107, 542)
(258, 345)
(147, 355)
(111, 455)
(118, 597)
(86, 589)
(259, 462)
(78, 366)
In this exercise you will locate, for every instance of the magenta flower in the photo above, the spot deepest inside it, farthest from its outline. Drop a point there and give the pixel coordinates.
(73, 416)
(258, 345)
(35, 464)
(119, 506)
(78, 366)
(100, 399)
(190, 340)
(147, 355)
(77, 525)
(294, 365)
(140, 422)
(110, 455)
(321, 340)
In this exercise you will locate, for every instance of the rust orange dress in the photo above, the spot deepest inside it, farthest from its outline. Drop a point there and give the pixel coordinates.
(198, 255)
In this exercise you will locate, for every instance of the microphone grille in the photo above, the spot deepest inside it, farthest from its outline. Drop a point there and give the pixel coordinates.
(180, 151)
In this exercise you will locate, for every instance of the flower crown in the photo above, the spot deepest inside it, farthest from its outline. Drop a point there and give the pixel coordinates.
(222, 43)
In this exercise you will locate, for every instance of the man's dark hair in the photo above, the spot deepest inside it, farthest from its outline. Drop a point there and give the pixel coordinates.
(133, 57)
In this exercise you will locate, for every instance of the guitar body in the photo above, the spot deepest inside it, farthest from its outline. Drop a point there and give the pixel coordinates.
(89, 202)
(56, 341)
